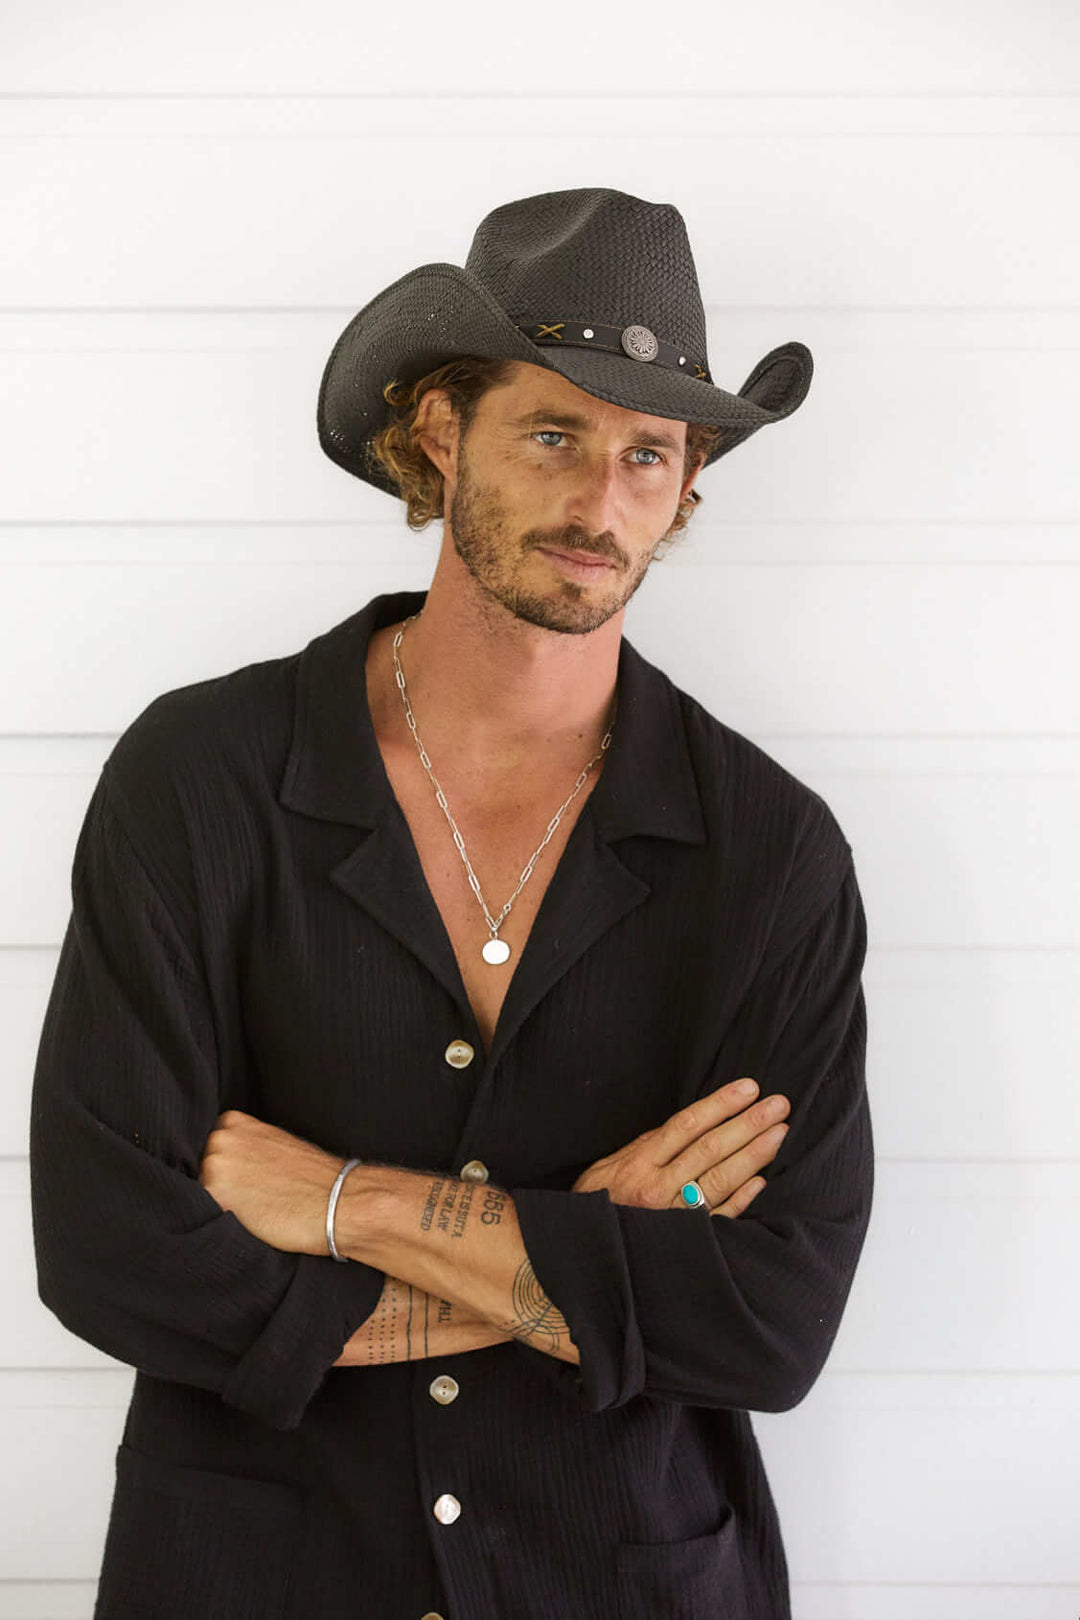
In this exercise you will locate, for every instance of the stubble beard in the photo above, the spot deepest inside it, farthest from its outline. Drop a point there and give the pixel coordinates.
(496, 558)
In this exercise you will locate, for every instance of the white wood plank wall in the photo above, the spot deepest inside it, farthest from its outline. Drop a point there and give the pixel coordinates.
(883, 591)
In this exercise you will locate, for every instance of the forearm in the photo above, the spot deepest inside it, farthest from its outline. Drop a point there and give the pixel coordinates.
(455, 1240)
(409, 1324)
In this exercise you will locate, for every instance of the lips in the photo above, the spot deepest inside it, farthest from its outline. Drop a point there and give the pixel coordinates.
(585, 559)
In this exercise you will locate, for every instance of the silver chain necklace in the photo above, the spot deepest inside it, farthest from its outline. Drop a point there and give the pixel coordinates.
(496, 950)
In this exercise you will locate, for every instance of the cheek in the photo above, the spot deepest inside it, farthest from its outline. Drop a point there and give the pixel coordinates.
(656, 504)
(525, 476)
(653, 488)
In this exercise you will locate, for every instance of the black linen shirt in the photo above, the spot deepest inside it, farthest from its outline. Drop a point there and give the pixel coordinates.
(251, 928)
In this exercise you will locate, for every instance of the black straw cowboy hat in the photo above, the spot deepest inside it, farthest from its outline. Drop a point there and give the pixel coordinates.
(594, 284)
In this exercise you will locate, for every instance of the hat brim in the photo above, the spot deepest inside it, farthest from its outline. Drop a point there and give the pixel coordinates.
(440, 310)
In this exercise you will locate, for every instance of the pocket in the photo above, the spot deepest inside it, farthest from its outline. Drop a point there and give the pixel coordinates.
(185, 1542)
(699, 1579)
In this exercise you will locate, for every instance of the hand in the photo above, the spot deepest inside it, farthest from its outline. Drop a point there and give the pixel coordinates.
(276, 1185)
(710, 1141)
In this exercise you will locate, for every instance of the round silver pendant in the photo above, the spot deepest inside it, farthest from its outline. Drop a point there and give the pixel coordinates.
(496, 951)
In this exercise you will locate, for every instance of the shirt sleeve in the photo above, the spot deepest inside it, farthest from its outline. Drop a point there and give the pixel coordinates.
(719, 1312)
(133, 1254)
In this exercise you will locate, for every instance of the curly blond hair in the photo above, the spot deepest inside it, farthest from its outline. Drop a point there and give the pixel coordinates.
(466, 379)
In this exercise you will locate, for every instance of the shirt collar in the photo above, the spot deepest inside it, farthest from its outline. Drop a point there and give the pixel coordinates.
(335, 770)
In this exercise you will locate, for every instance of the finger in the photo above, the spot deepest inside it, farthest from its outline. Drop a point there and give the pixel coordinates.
(684, 1127)
(741, 1198)
(713, 1148)
(720, 1180)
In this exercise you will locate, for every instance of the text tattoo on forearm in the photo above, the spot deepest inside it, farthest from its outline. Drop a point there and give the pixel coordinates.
(449, 1205)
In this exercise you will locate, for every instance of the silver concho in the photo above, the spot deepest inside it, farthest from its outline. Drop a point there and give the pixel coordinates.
(640, 343)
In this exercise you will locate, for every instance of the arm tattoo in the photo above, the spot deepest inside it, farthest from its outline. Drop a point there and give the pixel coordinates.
(392, 1321)
(408, 1327)
(448, 1206)
(435, 1192)
(535, 1317)
(380, 1343)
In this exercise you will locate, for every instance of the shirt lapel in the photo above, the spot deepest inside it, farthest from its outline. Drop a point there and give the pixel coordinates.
(335, 773)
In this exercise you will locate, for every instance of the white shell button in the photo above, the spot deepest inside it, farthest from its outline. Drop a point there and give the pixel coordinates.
(446, 1508)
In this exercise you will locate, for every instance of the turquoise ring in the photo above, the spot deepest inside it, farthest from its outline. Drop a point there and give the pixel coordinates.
(693, 1195)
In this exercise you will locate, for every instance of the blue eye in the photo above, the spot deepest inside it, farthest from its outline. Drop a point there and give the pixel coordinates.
(555, 433)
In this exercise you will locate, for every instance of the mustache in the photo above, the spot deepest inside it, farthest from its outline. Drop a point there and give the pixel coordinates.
(571, 540)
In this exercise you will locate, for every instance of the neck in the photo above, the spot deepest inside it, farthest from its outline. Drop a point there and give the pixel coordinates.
(498, 691)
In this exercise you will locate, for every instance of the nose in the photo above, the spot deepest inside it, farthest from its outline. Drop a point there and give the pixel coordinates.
(593, 502)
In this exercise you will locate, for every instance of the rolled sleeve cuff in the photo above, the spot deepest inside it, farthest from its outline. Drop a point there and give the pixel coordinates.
(575, 1245)
(285, 1366)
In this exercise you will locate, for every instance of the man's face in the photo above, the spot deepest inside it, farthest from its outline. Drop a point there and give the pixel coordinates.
(558, 500)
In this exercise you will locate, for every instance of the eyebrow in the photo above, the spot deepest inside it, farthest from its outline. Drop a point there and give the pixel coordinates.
(565, 419)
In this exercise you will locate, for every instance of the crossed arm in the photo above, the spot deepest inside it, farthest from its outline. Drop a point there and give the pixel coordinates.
(458, 1276)
(409, 1324)
(457, 1273)
(139, 1262)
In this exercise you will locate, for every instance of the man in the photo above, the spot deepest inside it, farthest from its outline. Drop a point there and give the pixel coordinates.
(397, 1200)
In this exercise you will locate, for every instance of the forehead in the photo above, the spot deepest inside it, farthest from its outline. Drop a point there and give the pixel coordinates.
(533, 390)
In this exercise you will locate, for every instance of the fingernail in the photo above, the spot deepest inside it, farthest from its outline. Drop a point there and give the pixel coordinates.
(745, 1087)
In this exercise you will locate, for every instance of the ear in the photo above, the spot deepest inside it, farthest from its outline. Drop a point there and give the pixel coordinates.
(437, 428)
(688, 483)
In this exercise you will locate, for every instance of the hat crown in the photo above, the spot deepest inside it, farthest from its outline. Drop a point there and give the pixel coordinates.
(592, 254)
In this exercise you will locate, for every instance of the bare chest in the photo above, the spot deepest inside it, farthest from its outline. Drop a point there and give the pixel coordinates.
(499, 840)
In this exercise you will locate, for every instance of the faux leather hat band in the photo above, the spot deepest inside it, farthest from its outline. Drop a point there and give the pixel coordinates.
(636, 341)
